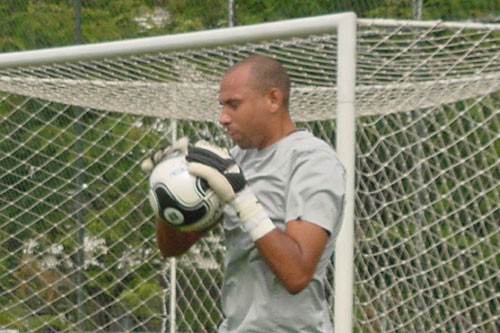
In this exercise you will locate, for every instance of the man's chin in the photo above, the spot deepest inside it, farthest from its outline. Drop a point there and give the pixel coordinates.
(243, 144)
(240, 141)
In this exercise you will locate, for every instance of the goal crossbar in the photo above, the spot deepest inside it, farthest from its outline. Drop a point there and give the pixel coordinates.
(179, 42)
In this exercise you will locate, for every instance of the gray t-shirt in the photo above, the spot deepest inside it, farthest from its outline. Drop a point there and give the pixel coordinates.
(298, 177)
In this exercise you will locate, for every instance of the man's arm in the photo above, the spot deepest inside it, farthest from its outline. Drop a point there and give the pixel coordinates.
(173, 242)
(293, 254)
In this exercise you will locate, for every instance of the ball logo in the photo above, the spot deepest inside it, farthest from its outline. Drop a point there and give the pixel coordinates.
(173, 216)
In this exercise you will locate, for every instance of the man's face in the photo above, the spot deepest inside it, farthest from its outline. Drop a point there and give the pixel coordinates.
(243, 109)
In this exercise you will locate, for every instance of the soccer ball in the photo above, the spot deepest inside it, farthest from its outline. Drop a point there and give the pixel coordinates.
(180, 199)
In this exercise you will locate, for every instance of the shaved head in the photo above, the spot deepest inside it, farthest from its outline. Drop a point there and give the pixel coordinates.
(266, 73)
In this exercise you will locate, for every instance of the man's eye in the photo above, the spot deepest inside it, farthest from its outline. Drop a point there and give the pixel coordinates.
(230, 104)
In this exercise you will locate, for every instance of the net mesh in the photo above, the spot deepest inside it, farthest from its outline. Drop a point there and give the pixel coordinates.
(77, 244)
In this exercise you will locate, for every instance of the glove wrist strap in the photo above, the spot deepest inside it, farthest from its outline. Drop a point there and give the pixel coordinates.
(261, 229)
(252, 215)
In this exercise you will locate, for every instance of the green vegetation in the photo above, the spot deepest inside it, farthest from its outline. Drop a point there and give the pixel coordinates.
(47, 23)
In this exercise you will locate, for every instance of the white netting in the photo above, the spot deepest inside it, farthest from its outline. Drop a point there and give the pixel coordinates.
(77, 245)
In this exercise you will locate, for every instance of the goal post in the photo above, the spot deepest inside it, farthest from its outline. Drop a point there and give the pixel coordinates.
(412, 107)
(346, 148)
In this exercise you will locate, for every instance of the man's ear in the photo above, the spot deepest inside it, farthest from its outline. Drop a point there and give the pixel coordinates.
(275, 99)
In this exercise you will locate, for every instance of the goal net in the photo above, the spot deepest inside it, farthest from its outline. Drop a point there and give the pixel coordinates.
(77, 243)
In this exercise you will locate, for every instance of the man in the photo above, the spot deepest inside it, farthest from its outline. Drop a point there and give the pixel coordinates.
(285, 193)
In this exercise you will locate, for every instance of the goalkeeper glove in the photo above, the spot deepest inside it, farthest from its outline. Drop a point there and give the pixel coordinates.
(149, 163)
(225, 177)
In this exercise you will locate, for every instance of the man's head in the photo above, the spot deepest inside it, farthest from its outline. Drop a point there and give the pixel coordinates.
(267, 73)
(254, 95)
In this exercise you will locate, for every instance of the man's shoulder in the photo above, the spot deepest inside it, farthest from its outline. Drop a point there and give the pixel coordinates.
(305, 143)
(304, 139)
(296, 146)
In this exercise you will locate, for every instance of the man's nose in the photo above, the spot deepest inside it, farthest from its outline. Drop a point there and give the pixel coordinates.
(224, 119)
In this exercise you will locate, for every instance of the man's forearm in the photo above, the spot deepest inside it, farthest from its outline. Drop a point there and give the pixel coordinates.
(173, 242)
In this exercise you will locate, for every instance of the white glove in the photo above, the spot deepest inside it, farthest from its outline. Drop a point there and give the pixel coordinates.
(149, 163)
(225, 177)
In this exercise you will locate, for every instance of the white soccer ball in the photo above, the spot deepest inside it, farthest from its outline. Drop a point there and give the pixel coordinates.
(180, 199)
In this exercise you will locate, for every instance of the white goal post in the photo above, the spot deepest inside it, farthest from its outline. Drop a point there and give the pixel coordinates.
(412, 107)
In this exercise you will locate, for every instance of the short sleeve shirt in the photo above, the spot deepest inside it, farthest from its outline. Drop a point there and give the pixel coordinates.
(298, 178)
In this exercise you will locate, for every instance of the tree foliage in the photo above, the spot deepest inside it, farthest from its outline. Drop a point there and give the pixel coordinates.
(36, 24)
